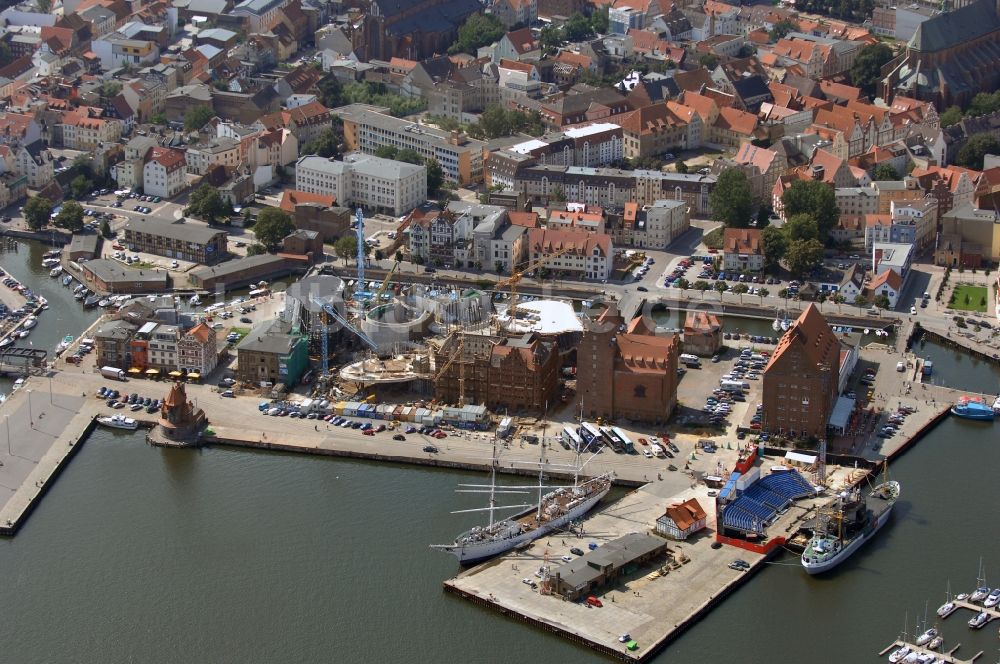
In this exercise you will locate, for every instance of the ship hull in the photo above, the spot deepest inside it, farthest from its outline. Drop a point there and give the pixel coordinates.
(470, 554)
(847, 551)
(978, 415)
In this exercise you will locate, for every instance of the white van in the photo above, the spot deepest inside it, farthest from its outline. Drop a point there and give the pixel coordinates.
(657, 450)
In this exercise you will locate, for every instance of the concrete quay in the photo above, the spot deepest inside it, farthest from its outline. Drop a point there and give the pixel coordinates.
(633, 604)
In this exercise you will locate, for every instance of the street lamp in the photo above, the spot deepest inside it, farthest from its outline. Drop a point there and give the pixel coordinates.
(6, 419)
(30, 416)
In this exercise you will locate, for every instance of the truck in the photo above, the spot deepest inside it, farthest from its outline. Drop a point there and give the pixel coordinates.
(113, 372)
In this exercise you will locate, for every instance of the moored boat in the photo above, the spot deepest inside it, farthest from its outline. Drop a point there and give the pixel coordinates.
(979, 620)
(927, 636)
(30, 322)
(973, 409)
(56, 271)
(899, 655)
(67, 280)
(118, 422)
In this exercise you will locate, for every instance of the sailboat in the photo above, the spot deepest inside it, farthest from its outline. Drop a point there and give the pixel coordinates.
(553, 511)
(776, 325)
(901, 653)
(948, 605)
(982, 590)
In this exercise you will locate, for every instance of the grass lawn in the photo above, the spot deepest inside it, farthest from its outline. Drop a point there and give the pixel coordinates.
(966, 297)
(714, 239)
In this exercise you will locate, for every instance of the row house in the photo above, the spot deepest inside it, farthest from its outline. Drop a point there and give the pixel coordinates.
(577, 107)
(517, 45)
(763, 167)
(129, 171)
(588, 255)
(440, 238)
(656, 129)
(597, 144)
(306, 122)
(222, 151)
(653, 226)
(515, 12)
(197, 350)
(84, 129)
(452, 91)
(19, 129)
(952, 186)
(912, 222)
(163, 173)
(860, 125)
(35, 162)
(517, 79)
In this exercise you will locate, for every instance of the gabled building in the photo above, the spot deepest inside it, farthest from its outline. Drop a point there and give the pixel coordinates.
(801, 379)
(34, 161)
(515, 12)
(681, 520)
(742, 250)
(163, 173)
(587, 255)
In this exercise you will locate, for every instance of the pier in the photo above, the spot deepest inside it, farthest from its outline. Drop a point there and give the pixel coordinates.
(947, 657)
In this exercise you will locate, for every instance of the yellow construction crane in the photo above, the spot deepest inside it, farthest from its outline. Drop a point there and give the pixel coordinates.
(461, 367)
(515, 278)
(385, 284)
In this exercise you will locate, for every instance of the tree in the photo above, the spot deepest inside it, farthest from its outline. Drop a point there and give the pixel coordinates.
(159, 119)
(37, 211)
(346, 247)
(330, 91)
(774, 244)
(709, 61)
(599, 20)
(701, 285)
(682, 283)
(803, 255)
(577, 28)
(884, 172)
(256, 249)
(197, 117)
(5, 55)
(801, 227)
(399, 255)
(110, 89)
(70, 217)
(814, 198)
(558, 194)
(763, 292)
(273, 225)
(731, 199)
(975, 149)
(550, 39)
(386, 151)
(326, 144)
(478, 30)
(867, 68)
(860, 300)
(80, 186)
(206, 203)
(951, 116)
(106, 229)
(781, 29)
(435, 175)
(783, 293)
(741, 290)
(984, 103)
(720, 287)
(681, 167)
(43, 5)
(881, 301)
(839, 300)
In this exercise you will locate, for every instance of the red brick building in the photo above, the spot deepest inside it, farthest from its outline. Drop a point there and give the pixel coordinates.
(626, 375)
(800, 381)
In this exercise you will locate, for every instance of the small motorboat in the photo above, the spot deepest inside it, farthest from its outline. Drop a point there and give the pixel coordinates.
(992, 599)
(30, 322)
(979, 594)
(78, 295)
(50, 262)
(6, 342)
(898, 655)
(18, 384)
(56, 271)
(962, 596)
(91, 301)
(67, 280)
(936, 642)
(104, 303)
(927, 636)
(118, 422)
(980, 619)
(23, 334)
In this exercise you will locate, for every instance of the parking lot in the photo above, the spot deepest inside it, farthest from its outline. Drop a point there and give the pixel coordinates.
(699, 267)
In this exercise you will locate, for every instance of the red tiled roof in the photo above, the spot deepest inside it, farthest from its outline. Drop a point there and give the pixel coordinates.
(745, 241)
(889, 278)
(737, 121)
(686, 514)
(575, 242)
(525, 219)
(169, 158)
(293, 197)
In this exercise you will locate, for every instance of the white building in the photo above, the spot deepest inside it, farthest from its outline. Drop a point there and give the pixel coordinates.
(262, 14)
(197, 350)
(163, 174)
(583, 254)
(373, 182)
(35, 162)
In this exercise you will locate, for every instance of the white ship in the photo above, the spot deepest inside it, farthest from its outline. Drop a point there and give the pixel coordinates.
(118, 422)
(854, 520)
(30, 322)
(553, 511)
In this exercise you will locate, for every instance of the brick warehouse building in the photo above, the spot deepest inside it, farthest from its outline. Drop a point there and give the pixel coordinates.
(626, 374)
(801, 379)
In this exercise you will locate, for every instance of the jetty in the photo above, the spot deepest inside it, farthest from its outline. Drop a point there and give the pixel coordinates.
(947, 657)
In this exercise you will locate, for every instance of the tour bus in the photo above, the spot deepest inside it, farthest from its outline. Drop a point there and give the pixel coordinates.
(590, 434)
(626, 441)
(611, 438)
(690, 360)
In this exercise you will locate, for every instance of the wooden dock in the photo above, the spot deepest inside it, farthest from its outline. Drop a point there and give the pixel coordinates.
(993, 613)
(948, 657)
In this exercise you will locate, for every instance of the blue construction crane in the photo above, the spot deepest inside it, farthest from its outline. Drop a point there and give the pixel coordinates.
(332, 312)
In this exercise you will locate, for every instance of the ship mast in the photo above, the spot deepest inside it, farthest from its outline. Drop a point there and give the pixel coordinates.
(493, 479)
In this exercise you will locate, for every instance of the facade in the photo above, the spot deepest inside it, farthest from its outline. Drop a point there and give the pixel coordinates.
(887, 283)
(801, 379)
(604, 565)
(110, 276)
(514, 373)
(587, 255)
(381, 184)
(246, 271)
(163, 172)
(80, 131)
(702, 334)
(197, 350)
(111, 341)
(272, 353)
(974, 227)
(34, 161)
(188, 242)
(743, 250)
(626, 375)
(653, 226)
(224, 151)
(367, 128)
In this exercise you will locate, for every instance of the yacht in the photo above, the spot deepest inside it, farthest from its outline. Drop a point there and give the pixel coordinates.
(936, 642)
(30, 322)
(118, 422)
(898, 655)
(927, 636)
(945, 609)
(980, 619)
(992, 599)
(67, 280)
(979, 594)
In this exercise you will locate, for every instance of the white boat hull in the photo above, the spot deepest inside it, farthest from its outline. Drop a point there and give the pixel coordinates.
(469, 554)
(845, 553)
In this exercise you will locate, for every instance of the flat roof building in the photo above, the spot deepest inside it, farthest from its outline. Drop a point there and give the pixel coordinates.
(183, 241)
(109, 276)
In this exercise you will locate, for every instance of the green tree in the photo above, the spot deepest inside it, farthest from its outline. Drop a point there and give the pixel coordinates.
(197, 117)
(330, 92)
(884, 172)
(803, 255)
(80, 186)
(951, 116)
(159, 119)
(708, 61)
(763, 292)
(550, 39)
(206, 203)
(256, 249)
(682, 283)
(37, 211)
(44, 6)
(774, 244)
(781, 29)
(801, 227)
(558, 195)
(599, 20)
(577, 28)
(478, 30)
(273, 224)
(701, 285)
(731, 199)
(867, 68)
(681, 167)
(975, 149)
(984, 103)
(346, 247)
(386, 151)
(326, 144)
(839, 300)
(881, 301)
(110, 89)
(410, 156)
(435, 175)
(5, 55)
(70, 216)
(106, 229)
(720, 288)
(860, 300)
(399, 255)
(814, 198)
